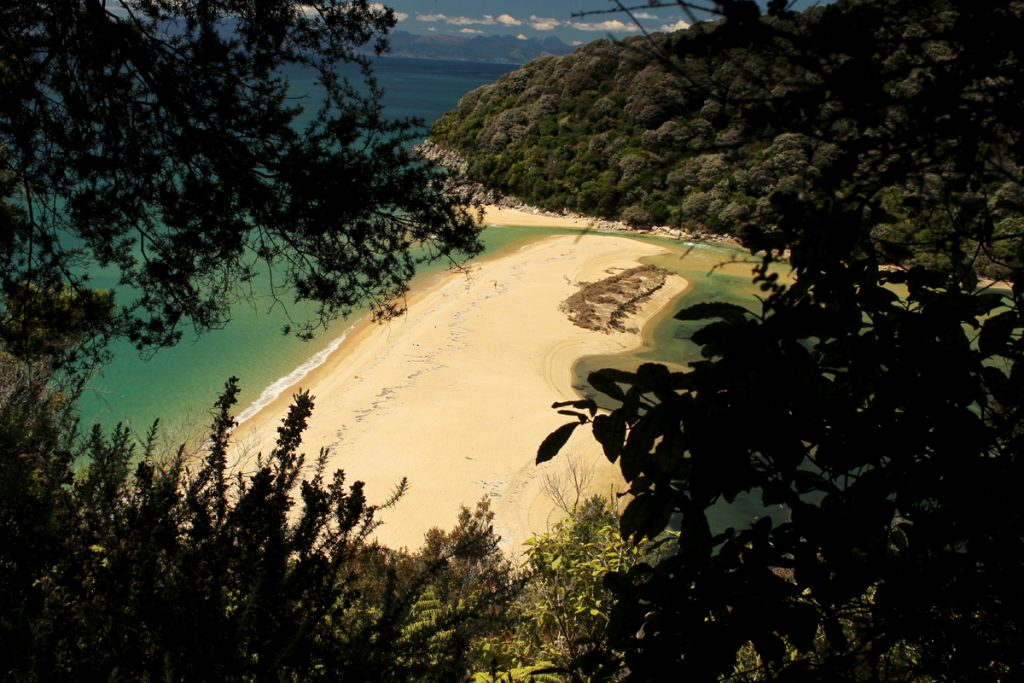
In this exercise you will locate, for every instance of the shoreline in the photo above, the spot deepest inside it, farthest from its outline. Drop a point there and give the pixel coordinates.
(509, 213)
(456, 394)
(514, 213)
(508, 210)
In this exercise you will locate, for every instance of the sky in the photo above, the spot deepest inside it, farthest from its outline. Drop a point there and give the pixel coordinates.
(535, 18)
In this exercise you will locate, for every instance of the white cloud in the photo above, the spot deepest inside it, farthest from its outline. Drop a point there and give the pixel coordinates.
(678, 26)
(485, 20)
(611, 25)
(522, 36)
(645, 15)
(544, 23)
(576, 43)
(311, 10)
(488, 20)
(536, 22)
(470, 30)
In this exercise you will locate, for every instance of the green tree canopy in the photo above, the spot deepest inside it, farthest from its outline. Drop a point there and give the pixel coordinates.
(160, 140)
(556, 627)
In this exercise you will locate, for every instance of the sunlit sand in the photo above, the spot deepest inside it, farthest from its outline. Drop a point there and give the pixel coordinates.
(456, 394)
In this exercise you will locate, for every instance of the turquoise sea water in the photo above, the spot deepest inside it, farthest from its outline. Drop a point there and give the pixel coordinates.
(179, 385)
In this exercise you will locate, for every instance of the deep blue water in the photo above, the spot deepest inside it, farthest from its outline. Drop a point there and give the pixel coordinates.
(426, 89)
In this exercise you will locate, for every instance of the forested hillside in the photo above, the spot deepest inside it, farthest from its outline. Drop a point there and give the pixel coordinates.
(603, 131)
(661, 130)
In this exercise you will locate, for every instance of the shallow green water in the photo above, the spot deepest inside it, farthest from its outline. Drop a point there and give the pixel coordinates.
(714, 273)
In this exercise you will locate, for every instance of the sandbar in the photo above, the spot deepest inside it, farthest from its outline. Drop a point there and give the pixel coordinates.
(456, 394)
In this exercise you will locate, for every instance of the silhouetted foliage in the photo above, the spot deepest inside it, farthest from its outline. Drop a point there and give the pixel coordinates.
(874, 413)
(162, 141)
(196, 570)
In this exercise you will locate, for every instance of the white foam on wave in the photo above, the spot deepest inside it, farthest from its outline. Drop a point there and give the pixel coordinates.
(281, 384)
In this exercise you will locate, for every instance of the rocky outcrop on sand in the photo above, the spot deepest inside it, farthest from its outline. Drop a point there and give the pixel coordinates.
(605, 305)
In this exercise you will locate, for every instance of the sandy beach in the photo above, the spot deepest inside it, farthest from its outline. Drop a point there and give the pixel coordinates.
(456, 394)
(502, 215)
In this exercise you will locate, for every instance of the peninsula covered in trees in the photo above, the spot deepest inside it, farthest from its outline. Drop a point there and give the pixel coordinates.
(658, 130)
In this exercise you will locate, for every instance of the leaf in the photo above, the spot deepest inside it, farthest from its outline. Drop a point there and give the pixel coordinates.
(645, 516)
(806, 481)
(554, 441)
(835, 635)
(714, 309)
(899, 539)
(996, 332)
(581, 404)
(770, 647)
(984, 303)
(709, 334)
(997, 382)
(607, 382)
(610, 432)
(653, 377)
(631, 405)
(636, 455)
(800, 624)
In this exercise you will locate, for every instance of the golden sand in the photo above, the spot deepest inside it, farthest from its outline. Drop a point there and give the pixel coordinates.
(456, 394)
(494, 215)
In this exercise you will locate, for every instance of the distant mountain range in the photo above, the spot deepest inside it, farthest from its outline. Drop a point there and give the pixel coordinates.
(494, 49)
